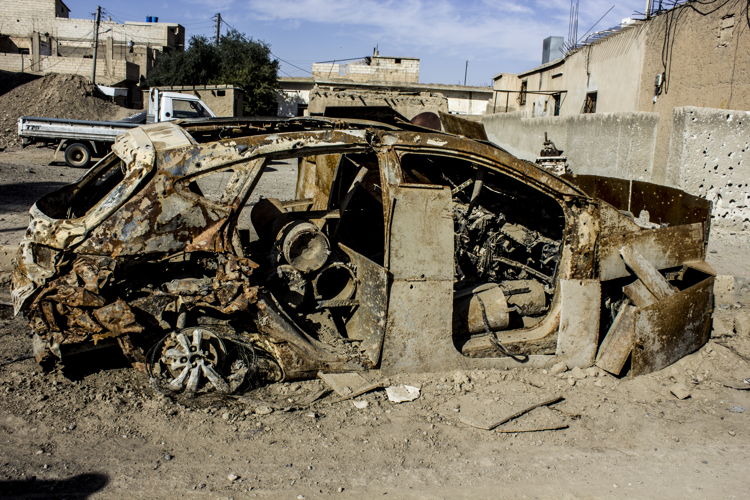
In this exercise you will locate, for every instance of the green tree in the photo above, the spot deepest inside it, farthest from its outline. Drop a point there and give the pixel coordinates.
(235, 60)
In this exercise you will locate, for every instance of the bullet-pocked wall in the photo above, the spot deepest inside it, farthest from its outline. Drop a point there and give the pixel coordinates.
(710, 156)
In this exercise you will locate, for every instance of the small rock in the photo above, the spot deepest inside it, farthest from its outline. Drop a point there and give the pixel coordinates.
(225, 415)
(233, 477)
(402, 393)
(263, 410)
(571, 381)
(460, 377)
(558, 368)
(599, 382)
(578, 373)
(722, 322)
(592, 371)
(360, 404)
(168, 457)
(737, 409)
(680, 391)
(38, 452)
(742, 322)
(732, 433)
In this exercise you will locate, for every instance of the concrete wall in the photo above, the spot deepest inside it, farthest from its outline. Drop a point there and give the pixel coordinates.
(21, 10)
(614, 145)
(467, 103)
(709, 156)
(106, 74)
(705, 63)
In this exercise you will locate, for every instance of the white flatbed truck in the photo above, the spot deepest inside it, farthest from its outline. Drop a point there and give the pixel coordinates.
(80, 140)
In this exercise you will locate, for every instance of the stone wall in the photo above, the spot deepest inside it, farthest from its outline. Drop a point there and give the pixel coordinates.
(610, 144)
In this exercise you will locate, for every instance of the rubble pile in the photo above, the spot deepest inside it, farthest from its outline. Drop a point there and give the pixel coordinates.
(52, 96)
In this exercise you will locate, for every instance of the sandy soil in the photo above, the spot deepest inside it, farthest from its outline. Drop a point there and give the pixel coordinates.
(105, 433)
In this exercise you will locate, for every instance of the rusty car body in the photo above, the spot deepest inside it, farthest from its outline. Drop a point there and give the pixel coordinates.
(403, 249)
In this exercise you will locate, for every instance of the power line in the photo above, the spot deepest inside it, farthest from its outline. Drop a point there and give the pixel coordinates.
(290, 64)
(269, 49)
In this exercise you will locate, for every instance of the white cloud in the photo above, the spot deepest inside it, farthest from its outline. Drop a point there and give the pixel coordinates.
(476, 28)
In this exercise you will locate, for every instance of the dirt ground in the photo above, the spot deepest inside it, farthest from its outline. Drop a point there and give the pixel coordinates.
(106, 434)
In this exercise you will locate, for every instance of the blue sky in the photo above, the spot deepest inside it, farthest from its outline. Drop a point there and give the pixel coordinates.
(493, 35)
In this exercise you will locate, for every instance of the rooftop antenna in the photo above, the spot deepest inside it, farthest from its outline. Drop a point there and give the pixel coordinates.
(573, 25)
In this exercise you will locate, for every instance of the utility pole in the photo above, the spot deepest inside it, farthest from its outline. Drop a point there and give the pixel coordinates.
(217, 18)
(466, 70)
(96, 41)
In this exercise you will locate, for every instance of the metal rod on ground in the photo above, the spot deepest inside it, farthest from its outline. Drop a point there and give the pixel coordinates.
(96, 42)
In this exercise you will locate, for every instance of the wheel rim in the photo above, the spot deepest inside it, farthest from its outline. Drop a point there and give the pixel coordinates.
(192, 358)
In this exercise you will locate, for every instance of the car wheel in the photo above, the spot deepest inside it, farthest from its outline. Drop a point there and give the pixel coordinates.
(77, 155)
(196, 360)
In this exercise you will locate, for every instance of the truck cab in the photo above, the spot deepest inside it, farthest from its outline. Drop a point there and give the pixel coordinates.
(166, 106)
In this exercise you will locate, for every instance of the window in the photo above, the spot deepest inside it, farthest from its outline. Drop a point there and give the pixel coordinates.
(522, 95)
(188, 109)
(558, 103)
(397, 61)
(589, 105)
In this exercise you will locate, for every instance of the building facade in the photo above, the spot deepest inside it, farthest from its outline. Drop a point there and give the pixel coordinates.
(690, 55)
(38, 36)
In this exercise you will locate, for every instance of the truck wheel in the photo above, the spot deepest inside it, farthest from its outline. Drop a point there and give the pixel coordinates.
(77, 155)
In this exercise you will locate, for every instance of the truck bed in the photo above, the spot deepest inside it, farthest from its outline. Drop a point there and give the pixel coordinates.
(34, 127)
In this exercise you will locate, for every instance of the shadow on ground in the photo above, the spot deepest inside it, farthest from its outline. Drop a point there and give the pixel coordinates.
(77, 487)
(20, 196)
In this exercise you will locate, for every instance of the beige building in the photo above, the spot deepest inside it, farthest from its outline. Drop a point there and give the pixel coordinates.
(375, 68)
(38, 36)
(686, 56)
(376, 81)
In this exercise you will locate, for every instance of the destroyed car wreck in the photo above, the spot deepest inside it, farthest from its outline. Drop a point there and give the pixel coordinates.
(404, 249)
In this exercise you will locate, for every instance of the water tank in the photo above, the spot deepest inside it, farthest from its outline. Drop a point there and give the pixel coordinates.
(552, 49)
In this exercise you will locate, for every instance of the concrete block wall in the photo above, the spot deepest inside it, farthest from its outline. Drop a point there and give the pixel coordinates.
(709, 156)
(117, 72)
(21, 11)
(609, 144)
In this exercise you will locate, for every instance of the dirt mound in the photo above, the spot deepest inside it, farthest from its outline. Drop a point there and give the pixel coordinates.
(53, 96)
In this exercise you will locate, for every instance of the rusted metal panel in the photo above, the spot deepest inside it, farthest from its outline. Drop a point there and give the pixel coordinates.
(419, 335)
(461, 126)
(663, 248)
(664, 204)
(672, 328)
(618, 343)
(368, 321)
(579, 321)
(647, 273)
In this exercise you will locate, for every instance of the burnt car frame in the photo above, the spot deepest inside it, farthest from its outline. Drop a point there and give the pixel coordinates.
(404, 249)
